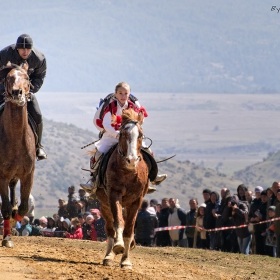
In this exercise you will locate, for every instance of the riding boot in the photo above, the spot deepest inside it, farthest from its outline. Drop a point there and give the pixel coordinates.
(91, 186)
(40, 152)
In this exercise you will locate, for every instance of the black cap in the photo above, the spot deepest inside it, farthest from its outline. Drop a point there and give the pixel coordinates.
(24, 41)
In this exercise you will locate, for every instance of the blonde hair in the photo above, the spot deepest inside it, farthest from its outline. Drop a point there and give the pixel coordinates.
(122, 84)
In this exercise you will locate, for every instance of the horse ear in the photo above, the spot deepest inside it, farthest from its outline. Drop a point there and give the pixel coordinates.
(25, 66)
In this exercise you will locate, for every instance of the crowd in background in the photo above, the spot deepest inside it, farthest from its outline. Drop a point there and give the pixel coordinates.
(244, 217)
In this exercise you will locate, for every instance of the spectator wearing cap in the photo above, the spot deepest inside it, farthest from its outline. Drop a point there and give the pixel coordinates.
(43, 222)
(269, 234)
(191, 221)
(257, 214)
(25, 229)
(77, 230)
(153, 203)
(200, 233)
(277, 223)
(177, 217)
(72, 211)
(99, 225)
(91, 233)
(162, 237)
(206, 195)
(62, 208)
(23, 51)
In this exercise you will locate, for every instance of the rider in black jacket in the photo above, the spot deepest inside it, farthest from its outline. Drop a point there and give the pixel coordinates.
(23, 51)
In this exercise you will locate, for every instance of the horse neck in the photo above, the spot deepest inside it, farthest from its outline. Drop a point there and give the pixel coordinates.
(15, 119)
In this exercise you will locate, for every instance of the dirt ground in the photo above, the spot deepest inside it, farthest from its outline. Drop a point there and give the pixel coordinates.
(64, 259)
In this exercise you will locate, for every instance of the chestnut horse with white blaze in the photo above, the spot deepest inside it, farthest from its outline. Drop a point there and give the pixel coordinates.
(17, 146)
(126, 184)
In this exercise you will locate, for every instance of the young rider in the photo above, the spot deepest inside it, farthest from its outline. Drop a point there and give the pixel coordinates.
(118, 103)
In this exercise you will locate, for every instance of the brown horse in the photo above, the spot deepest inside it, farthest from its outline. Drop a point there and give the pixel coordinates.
(17, 145)
(126, 184)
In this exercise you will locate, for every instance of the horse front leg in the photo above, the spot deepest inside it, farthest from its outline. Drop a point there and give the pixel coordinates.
(128, 233)
(6, 210)
(25, 189)
(107, 215)
(115, 201)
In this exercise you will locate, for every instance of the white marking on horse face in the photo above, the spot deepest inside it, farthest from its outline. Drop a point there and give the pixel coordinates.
(17, 80)
(132, 155)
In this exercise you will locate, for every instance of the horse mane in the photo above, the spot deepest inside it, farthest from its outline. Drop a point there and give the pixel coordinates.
(129, 115)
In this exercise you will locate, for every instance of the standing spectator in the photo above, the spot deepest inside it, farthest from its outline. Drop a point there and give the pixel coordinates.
(82, 195)
(26, 228)
(77, 230)
(62, 208)
(201, 238)
(275, 187)
(277, 223)
(31, 208)
(238, 211)
(162, 237)
(257, 214)
(191, 221)
(99, 225)
(158, 209)
(210, 216)
(177, 217)
(270, 238)
(72, 197)
(145, 225)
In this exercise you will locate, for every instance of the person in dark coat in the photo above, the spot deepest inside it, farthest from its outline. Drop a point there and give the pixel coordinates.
(210, 217)
(241, 191)
(191, 221)
(145, 225)
(72, 198)
(257, 214)
(277, 223)
(23, 51)
(238, 211)
(162, 237)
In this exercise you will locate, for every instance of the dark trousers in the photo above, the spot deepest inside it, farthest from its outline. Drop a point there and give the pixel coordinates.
(148, 242)
(260, 243)
(32, 108)
(190, 242)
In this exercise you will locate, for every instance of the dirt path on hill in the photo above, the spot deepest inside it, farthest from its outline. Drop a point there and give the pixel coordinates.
(64, 259)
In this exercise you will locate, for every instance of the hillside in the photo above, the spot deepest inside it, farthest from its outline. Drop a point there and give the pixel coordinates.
(262, 173)
(175, 46)
(65, 160)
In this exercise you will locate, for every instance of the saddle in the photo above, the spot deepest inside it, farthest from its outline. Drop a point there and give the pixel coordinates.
(31, 122)
(148, 158)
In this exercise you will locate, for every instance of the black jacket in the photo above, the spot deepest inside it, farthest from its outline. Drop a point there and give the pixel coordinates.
(145, 225)
(36, 61)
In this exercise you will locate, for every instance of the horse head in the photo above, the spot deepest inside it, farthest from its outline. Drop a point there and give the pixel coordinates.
(130, 139)
(17, 83)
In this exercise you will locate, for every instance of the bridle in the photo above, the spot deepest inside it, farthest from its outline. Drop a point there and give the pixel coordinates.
(11, 96)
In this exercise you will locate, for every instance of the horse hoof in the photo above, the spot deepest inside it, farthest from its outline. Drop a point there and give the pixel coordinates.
(126, 266)
(118, 249)
(108, 262)
(7, 242)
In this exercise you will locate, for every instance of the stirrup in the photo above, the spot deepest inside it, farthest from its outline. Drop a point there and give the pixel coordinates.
(41, 154)
(159, 179)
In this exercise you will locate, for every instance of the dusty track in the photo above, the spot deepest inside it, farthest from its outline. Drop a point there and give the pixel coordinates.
(64, 259)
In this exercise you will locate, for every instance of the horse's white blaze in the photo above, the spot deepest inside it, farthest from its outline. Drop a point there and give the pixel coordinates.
(132, 146)
(17, 80)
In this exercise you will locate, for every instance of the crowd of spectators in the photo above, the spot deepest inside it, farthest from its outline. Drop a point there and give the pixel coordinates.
(243, 217)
